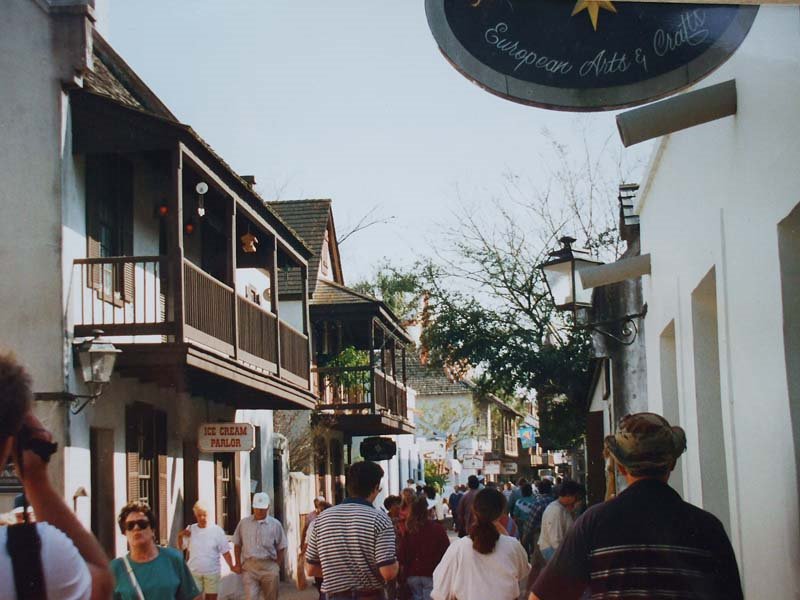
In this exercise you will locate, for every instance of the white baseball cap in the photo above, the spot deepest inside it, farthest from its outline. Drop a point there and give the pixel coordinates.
(261, 500)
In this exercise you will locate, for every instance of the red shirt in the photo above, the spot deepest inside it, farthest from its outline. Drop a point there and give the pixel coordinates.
(421, 550)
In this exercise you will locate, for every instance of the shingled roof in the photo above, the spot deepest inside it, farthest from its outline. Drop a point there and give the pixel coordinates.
(310, 219)
(111, 76)
(432, 381)
(329, 292)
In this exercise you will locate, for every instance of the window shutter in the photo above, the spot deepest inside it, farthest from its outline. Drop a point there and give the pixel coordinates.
(132, 452)
(125, 205)
(218, 491)
(233, 504)
(94, 186)
(160, 424)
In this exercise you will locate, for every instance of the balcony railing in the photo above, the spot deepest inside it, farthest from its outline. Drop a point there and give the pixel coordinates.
(390, 394)
(350, 390)
(294, 351)
(134, 297)
(258, 333)
(124, 295)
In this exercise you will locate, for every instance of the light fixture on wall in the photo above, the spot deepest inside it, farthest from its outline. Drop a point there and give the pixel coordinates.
(561, 276)
(201, 189)
(96, 358)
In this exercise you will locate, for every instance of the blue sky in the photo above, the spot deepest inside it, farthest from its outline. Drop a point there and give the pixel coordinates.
(344, 100)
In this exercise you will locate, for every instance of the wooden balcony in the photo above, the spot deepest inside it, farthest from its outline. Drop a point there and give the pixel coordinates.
(191, 334)
(362, 401)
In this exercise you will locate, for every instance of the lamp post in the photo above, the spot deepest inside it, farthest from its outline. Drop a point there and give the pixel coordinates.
(561, 277)
(96, 357)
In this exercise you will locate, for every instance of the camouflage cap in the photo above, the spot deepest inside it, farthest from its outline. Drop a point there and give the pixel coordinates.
(646, 441)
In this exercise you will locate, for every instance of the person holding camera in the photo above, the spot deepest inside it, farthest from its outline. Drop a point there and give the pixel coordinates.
(76, 566)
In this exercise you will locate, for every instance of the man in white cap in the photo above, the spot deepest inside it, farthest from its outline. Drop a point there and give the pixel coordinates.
(259, 544)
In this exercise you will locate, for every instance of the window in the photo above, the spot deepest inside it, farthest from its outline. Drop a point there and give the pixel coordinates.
(252, 294)
(227, 496)
(109, 224)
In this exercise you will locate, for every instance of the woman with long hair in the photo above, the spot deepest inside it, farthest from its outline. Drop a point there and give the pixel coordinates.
(407, 499)
(486, 563)
(421, 549)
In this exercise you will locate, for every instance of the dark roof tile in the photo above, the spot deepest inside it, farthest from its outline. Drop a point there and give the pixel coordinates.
(309, 218)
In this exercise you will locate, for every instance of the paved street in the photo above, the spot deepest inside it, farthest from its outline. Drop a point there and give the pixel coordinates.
(288, 591)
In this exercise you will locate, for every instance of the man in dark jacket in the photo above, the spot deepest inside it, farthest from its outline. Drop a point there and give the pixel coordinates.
(453, 500)
(647, 542)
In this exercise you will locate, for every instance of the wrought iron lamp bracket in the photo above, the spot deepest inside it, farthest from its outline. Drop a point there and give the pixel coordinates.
(76, 407)
(628, 329)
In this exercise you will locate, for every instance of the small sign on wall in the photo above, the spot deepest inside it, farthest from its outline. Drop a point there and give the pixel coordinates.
(509, 468)
(472, 463)
(226, 437)
(491, 467)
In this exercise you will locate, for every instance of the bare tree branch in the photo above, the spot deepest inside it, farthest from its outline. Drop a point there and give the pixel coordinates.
(368, 220)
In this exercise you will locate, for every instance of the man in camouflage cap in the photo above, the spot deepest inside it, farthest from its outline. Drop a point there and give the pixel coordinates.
(647, 542)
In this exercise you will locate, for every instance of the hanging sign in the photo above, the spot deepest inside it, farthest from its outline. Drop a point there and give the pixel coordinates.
(433, 449)
(509, 468)
(226, 437)
(585, 55)
(527, 436)
(491, 467)
(378, 448)
(472, 463)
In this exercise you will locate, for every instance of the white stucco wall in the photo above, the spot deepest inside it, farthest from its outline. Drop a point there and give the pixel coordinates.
(184, 416)
(710, 208)
(31, 143)
(291, 312)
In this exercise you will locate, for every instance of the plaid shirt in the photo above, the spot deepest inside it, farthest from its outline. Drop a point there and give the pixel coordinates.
(541, 502)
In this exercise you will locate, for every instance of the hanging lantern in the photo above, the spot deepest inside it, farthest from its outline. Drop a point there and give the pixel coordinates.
(249, 242)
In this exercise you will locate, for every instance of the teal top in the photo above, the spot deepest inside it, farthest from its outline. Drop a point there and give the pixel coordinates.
(165, 578)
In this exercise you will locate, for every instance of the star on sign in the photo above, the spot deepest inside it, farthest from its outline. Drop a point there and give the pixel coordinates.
(593, 8)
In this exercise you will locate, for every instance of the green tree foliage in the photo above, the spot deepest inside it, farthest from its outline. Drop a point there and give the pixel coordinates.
(486, 304)
(399, 290)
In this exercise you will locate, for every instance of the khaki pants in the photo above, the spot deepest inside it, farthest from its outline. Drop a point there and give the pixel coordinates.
(260, 576)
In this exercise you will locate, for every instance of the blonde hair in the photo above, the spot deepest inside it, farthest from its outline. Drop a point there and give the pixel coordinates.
(200, 506)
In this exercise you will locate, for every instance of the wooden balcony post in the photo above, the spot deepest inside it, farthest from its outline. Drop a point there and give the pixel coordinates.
(306, 317)
(175, 243)
(273, 293)
(372, 363)
(231, 216)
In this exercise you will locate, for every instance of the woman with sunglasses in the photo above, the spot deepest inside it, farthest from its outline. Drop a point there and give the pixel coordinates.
(149, 571)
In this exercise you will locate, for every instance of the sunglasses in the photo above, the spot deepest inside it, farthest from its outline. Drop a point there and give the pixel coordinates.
(138, 524)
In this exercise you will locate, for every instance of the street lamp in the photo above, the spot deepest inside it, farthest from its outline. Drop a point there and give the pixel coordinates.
(561, 275)
(96, 357)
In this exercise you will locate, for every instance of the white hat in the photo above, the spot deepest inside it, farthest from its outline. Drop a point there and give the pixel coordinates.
(261, 500)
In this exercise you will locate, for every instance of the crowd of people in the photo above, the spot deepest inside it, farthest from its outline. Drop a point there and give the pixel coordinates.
(513, 542)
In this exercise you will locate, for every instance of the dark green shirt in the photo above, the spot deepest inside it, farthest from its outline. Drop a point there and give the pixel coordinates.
(165, 578)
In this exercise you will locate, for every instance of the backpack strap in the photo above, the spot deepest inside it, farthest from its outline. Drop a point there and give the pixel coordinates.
(24, 547)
